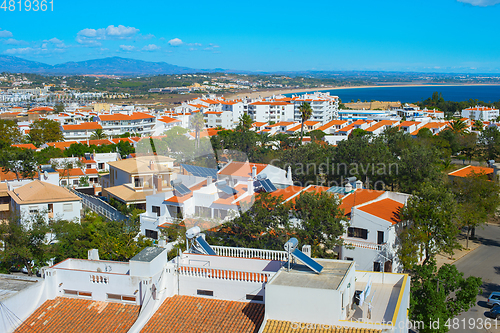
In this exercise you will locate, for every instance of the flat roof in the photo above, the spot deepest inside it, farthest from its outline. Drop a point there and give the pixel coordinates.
(148, 254)
(12, 284)
(302, 276)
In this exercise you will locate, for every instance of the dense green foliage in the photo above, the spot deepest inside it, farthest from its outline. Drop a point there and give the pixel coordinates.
(43, 131)
(437, 296)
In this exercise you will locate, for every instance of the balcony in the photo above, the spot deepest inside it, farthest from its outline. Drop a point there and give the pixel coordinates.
(363, 244)
(241, 252)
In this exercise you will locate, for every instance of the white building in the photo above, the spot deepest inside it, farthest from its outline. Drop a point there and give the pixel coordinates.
(237, 290)
(267, 111)
(222, 119)
(482, 113)
(50, 200)
(373, 229)
(324, 106)
(138, 123)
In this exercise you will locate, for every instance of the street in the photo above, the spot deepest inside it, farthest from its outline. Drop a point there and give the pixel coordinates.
(483, 262)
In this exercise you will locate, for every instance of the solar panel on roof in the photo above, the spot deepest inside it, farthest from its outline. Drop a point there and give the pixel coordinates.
(228, 190)
(268, 185)
(200, 171)
(205, 246)
(307, 261)
(181, 189)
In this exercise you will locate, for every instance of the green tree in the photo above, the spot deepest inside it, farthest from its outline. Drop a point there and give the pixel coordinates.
(10, 133)
(45, 130)
(22, 162)
(489, 143)
(458, 127)
(437, 296)
(478, 199)
(428, 225)
(198, 123)
(317, 135)
(478, 126)
(98, 134)
(245, 123)
(25, 241)
(321, 222)
(59, 108)
(305, 113)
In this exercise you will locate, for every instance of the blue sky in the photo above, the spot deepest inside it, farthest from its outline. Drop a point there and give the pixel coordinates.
(423, 35)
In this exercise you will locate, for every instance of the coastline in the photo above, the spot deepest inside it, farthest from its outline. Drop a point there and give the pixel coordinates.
(269, 93)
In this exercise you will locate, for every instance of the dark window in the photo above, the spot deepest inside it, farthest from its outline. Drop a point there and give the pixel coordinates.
(205, 292)
(376, 266)
(51, 208)
(357, 233)
(152, 234)
(349, 258)
(156, 209)
(380, 237)
(255, 297)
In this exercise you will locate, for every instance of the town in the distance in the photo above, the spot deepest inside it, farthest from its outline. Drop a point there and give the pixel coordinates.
(224, 202)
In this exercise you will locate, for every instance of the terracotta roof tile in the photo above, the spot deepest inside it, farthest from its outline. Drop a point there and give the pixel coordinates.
(386, 209)
(79, 315)
(182, 314)
(241, 169)
(470, 170)
(357, 198)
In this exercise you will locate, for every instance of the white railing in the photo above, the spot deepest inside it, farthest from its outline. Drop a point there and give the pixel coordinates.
(240, 252)
(225, 274)
(364, 245)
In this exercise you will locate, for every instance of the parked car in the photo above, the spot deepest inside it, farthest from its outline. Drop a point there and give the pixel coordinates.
(494, 298)
(495, 311)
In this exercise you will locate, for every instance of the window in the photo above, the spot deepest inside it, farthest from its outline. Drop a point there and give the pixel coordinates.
(51, 208)
(152, 234)
(100, 166)
(75, 181)
(115, 297)
(380, 237)
(33, 209)
(204, 292)
(77, 293)
(68, 207)
(255, 297)
(203, 211)
(138, 182)
(64, 183)
(349, 258)
(376, 266)
(357, 233)
(156, 209)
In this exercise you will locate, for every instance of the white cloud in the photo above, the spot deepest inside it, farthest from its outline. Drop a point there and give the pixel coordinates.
(55, 41)
(92, 36)
(127, 47)
(175, 42)
(151, 47)
(12, 41)
(5, 34)
(121, 31)
(21, 50)
(481, 3)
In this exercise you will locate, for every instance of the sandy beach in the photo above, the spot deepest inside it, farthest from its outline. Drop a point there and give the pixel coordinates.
(276, 92)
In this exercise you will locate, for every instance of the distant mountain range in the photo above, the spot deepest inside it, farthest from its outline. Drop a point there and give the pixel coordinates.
(106, 66)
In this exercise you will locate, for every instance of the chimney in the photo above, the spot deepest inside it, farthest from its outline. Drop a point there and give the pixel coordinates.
(359, 184)
(254, 172)
(348, 188)
(209, 180)
(93, 254)
(152, 165)
(289, 174)
(250, 187)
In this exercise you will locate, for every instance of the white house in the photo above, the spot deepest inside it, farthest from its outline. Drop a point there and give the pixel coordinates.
(482, 113)
(373, 229)
(50, 200)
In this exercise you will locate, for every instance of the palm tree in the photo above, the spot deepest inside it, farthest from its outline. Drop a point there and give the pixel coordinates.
(305, 113)
(458, 126)
(478, 126)
(98, 134)
(198, 123)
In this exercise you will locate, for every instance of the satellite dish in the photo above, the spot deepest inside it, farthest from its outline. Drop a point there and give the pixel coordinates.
(261, 176)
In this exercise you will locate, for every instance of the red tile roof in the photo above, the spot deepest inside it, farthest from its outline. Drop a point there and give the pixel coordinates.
(119, 116)
(82, 127)
(242, 169)
(470, 170)
(183, 314)
(25, 146)
(79, 315)
(386, 209)
(357, 198)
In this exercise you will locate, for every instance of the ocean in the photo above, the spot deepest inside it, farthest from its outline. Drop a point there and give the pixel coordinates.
(486, 93)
